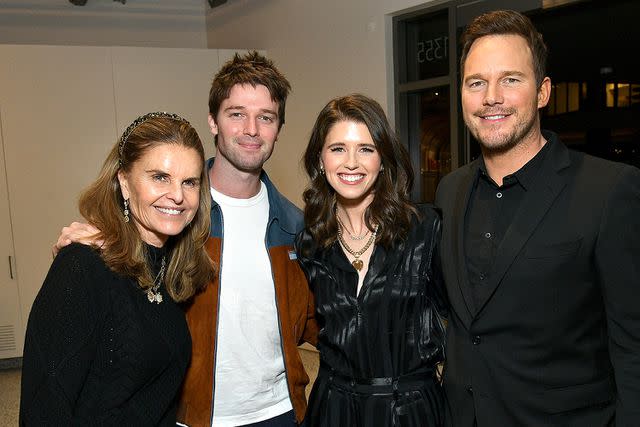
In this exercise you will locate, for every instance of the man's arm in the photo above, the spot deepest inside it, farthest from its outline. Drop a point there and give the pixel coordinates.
(617, 259)
(78, 232)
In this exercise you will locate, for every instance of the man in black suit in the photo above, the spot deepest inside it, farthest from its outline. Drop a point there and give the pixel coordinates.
(540, 253)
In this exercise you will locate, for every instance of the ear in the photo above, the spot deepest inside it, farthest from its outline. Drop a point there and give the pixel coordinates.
(124, 184)
(213, 127)
(544, 92)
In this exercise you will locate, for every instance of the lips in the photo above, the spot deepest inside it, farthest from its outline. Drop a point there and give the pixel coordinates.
(249, 143)
(494, 115)
(351, 178)
(169, 211)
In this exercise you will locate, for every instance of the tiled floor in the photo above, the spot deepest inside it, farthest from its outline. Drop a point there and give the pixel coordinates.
(10, 386)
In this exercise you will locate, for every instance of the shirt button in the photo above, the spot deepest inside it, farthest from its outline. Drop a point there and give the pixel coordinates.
(476, 340)
(482, 276)
(499, 195)
(487, 235)
(470, 390)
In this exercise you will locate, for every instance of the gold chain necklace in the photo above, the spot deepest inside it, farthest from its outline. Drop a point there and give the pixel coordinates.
(352, 236)
(357, 262)
(153, 293)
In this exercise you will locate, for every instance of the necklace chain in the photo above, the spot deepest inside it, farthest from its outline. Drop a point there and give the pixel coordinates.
(357, 262)
(353, 236)
(153, 293)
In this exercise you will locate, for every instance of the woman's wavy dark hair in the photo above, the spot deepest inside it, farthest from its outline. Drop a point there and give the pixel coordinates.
(391, 207)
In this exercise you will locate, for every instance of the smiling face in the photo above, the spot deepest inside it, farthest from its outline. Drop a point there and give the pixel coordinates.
(247, 126)
(500, 97)
(351, 162)
(163, 190)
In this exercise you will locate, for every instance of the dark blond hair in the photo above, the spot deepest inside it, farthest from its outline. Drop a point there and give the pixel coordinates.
(503, 22)
(124, 251)
(251, 69)
(391, 208)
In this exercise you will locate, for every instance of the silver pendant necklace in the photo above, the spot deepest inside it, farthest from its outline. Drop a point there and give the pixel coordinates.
(153, 293)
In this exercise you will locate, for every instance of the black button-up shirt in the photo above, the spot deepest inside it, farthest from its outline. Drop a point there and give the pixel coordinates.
(489, 214)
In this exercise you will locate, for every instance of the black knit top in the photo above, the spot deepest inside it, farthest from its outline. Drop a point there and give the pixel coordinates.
(97, 352)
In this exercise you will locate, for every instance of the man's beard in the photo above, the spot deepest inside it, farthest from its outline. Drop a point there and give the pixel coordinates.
(503, 142)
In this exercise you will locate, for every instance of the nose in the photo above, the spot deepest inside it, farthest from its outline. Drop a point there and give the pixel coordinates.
(352, 160)
(251, 127)
(176, 193)
(493, 94)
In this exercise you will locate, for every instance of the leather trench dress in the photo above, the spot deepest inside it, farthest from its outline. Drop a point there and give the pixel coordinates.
(378, 349)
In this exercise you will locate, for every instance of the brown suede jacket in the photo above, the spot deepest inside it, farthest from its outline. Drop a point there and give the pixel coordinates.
(294, 303)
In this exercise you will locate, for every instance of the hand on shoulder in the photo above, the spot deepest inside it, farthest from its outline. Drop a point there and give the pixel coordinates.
(78, 232)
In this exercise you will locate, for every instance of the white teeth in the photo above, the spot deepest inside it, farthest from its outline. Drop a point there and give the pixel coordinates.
(494, 117)
(169, 211)
(352, 178)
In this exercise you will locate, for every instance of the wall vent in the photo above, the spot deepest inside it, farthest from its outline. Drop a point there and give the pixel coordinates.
(7, 338)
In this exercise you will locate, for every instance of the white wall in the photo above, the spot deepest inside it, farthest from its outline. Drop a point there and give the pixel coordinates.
(325, 48)
(147, 23)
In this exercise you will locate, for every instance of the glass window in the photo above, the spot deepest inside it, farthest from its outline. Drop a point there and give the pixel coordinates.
(434, 134)
(428, 46)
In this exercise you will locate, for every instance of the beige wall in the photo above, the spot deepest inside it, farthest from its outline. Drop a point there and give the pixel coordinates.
(144, 23)
(326, 48)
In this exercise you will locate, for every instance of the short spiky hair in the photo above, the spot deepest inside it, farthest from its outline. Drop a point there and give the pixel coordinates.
(503, 22)
(252, 69)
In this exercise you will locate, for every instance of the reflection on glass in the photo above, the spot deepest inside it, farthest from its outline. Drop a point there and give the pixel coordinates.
(611, 95)
(635, 94)
(428, 46)
(435, 146)
(624, 98)
(561, 98)
(574, 96)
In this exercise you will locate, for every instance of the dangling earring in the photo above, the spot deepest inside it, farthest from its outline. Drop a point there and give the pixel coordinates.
(381, 168)
(126, 210)
(321, 170)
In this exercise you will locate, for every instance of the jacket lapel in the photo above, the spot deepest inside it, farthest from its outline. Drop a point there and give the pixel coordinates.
(457, 241)
(539, 198)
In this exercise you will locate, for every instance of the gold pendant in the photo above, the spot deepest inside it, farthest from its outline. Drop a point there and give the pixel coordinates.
(357, 264)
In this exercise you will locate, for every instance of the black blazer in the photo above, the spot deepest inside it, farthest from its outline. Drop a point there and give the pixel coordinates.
(556, 339)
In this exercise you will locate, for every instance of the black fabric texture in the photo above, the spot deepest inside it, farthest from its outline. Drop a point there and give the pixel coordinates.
(97, 352)
(378, 349)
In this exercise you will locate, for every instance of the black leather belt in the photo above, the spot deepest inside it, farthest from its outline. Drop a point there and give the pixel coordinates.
(379, 385)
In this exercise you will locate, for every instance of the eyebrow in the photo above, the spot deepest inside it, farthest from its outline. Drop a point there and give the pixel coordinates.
(152, 171)
(360, 144)
(242, 107)
(479, 76)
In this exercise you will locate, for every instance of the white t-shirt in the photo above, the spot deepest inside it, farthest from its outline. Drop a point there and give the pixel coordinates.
(250, 380)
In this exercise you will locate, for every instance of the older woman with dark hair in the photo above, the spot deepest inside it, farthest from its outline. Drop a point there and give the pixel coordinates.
(106, 342)
(369, 256)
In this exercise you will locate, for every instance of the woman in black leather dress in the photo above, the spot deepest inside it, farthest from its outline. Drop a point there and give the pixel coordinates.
(369, 256)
